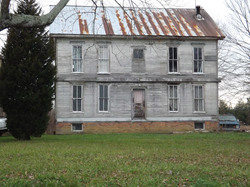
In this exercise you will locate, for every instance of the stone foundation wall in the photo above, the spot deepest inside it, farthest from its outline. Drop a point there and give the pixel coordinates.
(135, 127)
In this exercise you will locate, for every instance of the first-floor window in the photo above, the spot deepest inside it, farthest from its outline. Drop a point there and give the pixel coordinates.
(198, 98)
(77, 98)
(173, 98)
(103, 98)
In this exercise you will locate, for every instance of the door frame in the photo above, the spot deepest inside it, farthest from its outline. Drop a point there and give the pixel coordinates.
(132, 102)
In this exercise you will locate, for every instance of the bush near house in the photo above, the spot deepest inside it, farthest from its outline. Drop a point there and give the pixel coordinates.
(197, 159)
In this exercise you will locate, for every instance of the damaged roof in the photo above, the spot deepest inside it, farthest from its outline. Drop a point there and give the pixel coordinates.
(117, 21)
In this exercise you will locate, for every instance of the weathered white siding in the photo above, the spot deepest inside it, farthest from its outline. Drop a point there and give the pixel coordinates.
(122, 80)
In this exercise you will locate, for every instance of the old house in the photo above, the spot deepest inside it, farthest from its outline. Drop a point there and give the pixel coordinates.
(135, 70)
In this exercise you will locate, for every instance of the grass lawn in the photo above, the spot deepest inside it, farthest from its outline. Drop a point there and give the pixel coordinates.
(196, 159)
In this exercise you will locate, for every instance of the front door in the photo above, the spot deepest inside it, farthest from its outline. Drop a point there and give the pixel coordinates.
(138, 104)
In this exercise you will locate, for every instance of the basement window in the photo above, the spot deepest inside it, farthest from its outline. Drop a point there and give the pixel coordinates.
(76, 127)
(199, 126)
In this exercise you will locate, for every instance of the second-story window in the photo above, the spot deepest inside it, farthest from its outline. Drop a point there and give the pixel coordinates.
(138, 54)
(138, 60)
(198, 60)
(173, 60)
(173, 98)
(77, 59)
(103, 59)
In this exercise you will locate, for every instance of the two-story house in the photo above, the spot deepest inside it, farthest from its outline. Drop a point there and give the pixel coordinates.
(135, 70)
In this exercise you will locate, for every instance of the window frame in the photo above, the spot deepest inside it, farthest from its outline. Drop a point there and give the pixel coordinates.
(101, 60)
(72, 127)
(173, 60)
(199, 99)
(77, 98)
(80, 59)
(174, 98)
(203, 126)
(103, 99)
(143, 54)
(200, 58)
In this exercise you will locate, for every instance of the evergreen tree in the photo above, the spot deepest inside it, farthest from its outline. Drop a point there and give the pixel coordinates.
(224, 108)
(27, 77)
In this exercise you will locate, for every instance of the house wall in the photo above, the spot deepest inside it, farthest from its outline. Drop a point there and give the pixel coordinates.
(122, 80)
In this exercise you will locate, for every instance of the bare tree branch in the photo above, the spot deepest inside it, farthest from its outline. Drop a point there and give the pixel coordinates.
(20, 20)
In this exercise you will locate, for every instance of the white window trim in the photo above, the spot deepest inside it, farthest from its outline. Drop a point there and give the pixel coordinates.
(100, 111)
(178, 98)
(99, 59)
(76, 130)
(72, 54)
(178, 67)
(81, 111)
(202, 51)
(203, 98)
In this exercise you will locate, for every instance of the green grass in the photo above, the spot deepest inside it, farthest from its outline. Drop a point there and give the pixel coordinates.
(196, 159)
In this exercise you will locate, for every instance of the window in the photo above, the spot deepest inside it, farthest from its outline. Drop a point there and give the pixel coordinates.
(199, 126)
(173, 98)
(77, 98)
(198, 98)
(103, 98)
(76, 127)
(138, 54)
(103, 64)
(173, 62)
(198, 61)
(77, 58)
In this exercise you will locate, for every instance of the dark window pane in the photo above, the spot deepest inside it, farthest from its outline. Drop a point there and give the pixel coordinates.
(175, 53)
(198, 125)
(74, 105)
(79, 107)
(101, 91)
(138, 53)
(77, 127)
(170, 53)
(79, 92)
(74, 91)
(105, 104)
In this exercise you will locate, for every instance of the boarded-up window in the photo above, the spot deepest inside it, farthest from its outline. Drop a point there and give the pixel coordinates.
(138, 60)
(77, 59)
